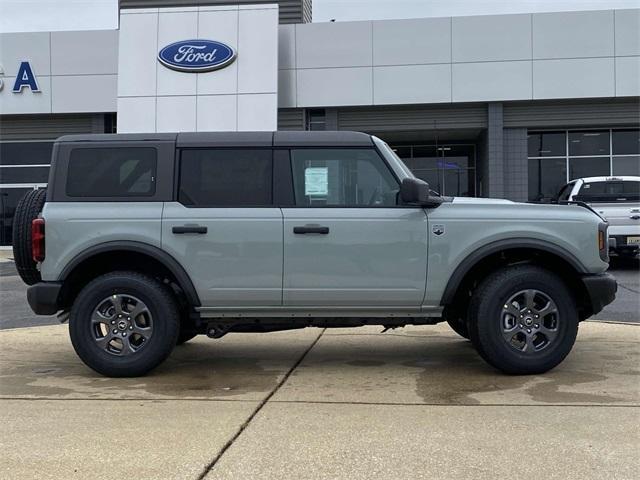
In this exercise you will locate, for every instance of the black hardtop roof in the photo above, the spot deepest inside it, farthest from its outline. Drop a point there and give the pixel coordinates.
(234, 139)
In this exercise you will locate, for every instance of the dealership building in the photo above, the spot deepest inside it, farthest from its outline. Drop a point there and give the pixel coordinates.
(508, 106)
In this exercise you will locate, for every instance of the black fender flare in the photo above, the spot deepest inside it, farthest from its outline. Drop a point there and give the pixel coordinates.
(508, 244)
(163, 257)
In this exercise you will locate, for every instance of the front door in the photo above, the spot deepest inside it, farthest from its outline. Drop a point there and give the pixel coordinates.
(224, 228)
(347, 242)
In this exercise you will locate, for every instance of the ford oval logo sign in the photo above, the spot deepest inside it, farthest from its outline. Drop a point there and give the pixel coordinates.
(196, 55)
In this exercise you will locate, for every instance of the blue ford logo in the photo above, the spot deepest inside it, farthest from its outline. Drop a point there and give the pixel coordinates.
(196, 55)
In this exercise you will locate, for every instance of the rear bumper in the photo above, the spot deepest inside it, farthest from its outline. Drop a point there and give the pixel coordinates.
(601, 290)
(618, 243)
(43, 297)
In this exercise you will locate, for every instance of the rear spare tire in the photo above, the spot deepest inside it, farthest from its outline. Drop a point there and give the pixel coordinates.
(29, 207)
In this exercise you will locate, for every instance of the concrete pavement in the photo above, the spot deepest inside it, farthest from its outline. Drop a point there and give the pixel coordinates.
(353, 403)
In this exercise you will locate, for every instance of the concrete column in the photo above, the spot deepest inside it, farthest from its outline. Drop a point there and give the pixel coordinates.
(331, 118)
(494, 160)
(516, 164)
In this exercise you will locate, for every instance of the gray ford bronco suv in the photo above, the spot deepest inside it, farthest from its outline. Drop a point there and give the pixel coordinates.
(143, 241)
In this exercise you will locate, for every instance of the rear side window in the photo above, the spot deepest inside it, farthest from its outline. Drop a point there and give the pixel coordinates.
(622, 190)
(112, 172)
(226, 177)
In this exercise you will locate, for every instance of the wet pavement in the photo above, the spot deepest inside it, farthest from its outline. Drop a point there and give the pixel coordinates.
(346, 403)
(415, 402)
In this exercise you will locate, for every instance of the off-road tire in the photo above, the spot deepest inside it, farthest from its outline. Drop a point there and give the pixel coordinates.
(485, 319)
(28, 208)
(162, 306)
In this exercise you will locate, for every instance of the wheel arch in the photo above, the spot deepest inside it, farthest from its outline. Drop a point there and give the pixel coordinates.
(146, 257)
(511, 251)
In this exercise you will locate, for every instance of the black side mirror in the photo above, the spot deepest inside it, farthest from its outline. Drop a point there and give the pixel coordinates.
(414, 191)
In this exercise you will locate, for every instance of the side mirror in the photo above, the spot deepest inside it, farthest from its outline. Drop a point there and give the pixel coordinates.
(414, 191)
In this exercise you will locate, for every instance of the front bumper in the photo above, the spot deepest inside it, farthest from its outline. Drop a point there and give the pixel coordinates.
(601, 289)
(43, 297)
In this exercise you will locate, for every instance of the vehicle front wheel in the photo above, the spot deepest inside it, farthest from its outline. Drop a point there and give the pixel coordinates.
(523, 320)
(124, 324)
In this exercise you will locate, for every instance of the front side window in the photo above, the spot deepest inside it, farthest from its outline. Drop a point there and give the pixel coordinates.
(226, 177)
(565, 192)
(342, 178)
(112, 172)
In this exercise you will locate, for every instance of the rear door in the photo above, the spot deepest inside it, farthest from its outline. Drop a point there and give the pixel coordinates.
(224, 229)
(347, 242)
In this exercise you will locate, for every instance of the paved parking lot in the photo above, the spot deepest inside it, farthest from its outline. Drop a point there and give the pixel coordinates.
(346, 403)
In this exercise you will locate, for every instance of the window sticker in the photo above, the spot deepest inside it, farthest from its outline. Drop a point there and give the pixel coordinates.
(316, 181)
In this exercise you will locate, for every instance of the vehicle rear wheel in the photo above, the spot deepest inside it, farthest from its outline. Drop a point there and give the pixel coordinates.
(28, 208)
(124, 324)
(523, 320)
(459, 326)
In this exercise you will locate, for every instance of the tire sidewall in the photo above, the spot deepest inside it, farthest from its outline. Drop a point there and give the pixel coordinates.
(487, 334)
(27, 209)
(164, 317)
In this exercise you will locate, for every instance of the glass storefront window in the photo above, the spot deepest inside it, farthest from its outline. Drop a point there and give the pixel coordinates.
(9, 198)
(588, 167)
(402, 152)
(425, 152)
(591, 153)
(459, 180)
(546, 178)
(547, 144)
(589, 143)
(626, 142)
(15, 174)
(316, 120)
(25, 153)
(449, 169)
(626, 165)
(432, 177)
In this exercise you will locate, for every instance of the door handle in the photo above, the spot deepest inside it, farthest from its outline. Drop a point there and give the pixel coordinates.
(189, 229)
(635, 217)
(311, 229)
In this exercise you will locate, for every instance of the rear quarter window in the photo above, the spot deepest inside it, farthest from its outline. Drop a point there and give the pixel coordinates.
(112, 172)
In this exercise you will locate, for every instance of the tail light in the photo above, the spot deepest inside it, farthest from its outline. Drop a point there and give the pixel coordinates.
(37, 239)
(603, 241)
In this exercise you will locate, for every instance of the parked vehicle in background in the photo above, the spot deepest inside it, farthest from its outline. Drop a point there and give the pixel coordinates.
(144, 241)
(617, 199)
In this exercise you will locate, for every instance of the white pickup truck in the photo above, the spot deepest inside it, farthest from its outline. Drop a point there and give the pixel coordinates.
(617, 199)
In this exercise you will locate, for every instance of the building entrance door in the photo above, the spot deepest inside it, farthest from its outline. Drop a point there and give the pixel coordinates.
(449, 169)
(10, 195)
